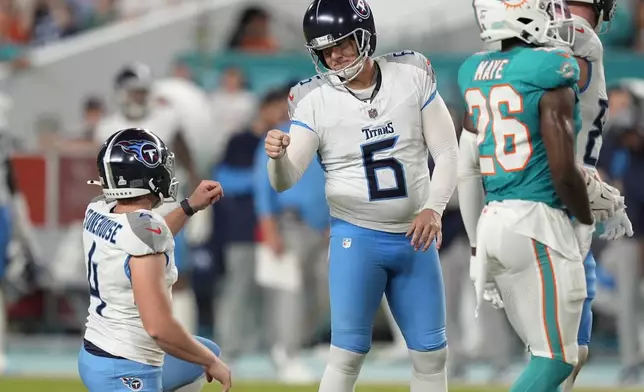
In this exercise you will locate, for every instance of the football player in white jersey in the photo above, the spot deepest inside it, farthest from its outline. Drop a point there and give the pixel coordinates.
(132, 341)
(590, 17)
(372, 123)
(137, 109)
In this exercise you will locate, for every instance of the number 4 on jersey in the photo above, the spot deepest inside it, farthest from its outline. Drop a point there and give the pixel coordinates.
(505, 130)
(92, 278)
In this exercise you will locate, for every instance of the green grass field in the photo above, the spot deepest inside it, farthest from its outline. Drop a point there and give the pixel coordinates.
(57, 385)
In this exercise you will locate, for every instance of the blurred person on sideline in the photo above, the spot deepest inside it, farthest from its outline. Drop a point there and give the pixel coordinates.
(137, 109)
(52, 21)
(240, 302)
(232, 107)
(16, 229)
(624, 165)
(192, 104)
(295, 222)
(253, 32)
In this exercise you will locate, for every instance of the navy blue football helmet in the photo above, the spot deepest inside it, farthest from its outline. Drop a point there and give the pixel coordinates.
(328, 22)
(134, 162)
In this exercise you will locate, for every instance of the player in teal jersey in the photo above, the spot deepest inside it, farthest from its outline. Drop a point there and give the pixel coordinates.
(522, 117)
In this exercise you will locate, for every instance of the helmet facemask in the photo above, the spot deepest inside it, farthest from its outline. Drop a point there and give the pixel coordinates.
(343, 76)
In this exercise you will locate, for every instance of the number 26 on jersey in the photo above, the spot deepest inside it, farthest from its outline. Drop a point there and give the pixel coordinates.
(508, 137)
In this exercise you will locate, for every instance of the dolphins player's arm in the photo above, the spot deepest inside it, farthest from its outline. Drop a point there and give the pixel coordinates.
(471, 197)
(152, 298)
(284, 172)
(584, 72)
(556, 109)
(440, 136)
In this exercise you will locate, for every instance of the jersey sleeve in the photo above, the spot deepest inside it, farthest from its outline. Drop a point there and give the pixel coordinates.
(426, 80)
(587, 44)
(151, 235)
(557, 69)
(300, 105)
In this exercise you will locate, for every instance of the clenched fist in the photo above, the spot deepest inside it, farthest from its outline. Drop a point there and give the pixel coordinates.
(276, 143)
(206, 193)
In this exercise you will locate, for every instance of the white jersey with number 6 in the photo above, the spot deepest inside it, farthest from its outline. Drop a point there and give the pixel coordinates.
(109, 240)
(373, 152)
(593, 98)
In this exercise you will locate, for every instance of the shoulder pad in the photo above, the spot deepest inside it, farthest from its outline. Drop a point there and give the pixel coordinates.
(587, 44)
(98, 198)
(152, 233)
(408, 57)
(557, 68)
(303, 88)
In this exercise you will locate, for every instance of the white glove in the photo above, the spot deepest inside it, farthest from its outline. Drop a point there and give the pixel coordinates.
(584, 235)
(489, 290)
(617, 226)
(491, 294)
(605, 200)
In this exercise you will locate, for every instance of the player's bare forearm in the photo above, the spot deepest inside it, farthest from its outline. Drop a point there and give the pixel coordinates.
(153, 301)
(557, 130)
(176, 341)
(176, 220)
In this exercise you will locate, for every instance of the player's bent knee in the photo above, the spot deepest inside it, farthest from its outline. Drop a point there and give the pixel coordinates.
(354, 342)
(212, 346)
(429, 362)
(432, 341)
(345, 361)
(182, 376)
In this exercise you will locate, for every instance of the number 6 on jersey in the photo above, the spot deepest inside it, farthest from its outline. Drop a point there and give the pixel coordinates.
(511, 137)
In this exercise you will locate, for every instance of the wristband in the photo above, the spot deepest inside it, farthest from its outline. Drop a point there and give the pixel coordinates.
(189, 211)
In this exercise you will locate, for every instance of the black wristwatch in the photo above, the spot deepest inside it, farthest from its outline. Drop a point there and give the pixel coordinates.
(186, 208)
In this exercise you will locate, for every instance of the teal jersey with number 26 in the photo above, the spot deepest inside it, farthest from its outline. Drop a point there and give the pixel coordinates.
(502, 91)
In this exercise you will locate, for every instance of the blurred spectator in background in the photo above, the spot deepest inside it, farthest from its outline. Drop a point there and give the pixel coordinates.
(253, 32)
(48, 131)
(93, 112)
(294, 222)
(98, 13)
(14, 34)
(53, 20)
(232, 106)
(622, 160)
(240, 301)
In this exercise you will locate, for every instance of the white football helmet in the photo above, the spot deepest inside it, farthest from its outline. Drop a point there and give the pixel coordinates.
(538, 22)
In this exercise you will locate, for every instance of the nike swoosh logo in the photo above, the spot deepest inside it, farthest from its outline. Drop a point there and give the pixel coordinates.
(580, 30)
(155, 231)
(291, 97)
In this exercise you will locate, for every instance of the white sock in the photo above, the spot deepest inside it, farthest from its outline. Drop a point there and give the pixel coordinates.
(342, 370)
(428, 372)
(184, 309)
(582, 358)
